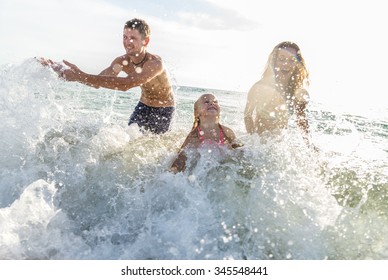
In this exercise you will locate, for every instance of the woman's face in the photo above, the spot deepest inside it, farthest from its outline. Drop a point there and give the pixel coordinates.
(285, 63)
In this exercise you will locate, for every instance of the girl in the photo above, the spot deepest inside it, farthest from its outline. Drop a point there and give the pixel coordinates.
(206, 130)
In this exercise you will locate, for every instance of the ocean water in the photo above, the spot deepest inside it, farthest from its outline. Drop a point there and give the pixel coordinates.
(78, 183)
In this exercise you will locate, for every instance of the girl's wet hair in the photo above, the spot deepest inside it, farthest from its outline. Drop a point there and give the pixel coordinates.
(196, 119)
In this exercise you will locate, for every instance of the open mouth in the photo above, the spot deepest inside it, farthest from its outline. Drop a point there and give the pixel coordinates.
(284, 72)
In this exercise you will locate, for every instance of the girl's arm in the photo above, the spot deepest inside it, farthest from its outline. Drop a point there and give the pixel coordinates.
(179, 163)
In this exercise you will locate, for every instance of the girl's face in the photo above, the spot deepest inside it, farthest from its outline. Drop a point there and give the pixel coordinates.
(207, 105)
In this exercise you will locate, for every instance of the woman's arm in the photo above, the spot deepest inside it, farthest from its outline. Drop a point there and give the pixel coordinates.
(301, 100)
(250, 108)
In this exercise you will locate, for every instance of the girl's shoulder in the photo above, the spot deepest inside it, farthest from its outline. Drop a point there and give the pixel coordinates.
(228, 132)
(192, 139)
(230, 137)
(225, 128)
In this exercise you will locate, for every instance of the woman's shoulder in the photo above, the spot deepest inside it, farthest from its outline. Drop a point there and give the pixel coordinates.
(260, 87)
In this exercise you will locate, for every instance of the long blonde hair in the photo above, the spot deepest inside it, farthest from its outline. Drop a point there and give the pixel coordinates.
(196, 119)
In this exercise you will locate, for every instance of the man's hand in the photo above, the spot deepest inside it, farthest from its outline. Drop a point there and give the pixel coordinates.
(58, 68)
(72, 72)
(67, 70)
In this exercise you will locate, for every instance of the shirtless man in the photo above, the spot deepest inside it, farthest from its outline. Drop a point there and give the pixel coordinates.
(156, 107)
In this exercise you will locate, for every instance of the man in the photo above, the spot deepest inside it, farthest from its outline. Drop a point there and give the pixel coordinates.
(156, 107)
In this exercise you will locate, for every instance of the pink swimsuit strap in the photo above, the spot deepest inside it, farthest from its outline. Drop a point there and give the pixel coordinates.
(221, 141)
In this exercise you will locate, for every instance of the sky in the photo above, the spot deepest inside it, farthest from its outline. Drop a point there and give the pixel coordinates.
(217, 44)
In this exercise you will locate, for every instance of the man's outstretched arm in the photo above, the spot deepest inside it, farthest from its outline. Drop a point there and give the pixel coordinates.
(149, 71)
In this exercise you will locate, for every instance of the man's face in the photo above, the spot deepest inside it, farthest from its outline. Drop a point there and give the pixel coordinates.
(133, 41)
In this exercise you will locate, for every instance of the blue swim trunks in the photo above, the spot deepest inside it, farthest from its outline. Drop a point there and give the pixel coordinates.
(154, 119)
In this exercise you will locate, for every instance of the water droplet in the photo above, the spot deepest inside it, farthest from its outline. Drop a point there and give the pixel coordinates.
(289, 256)
(192, 178)
(117, 68)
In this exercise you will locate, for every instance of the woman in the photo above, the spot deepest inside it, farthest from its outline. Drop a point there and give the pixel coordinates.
(280, 92)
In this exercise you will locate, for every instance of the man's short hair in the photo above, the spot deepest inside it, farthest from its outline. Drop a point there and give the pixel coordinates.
(140, 25)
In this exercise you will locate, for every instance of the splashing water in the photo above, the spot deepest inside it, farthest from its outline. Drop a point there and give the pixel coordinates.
(78, 183)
